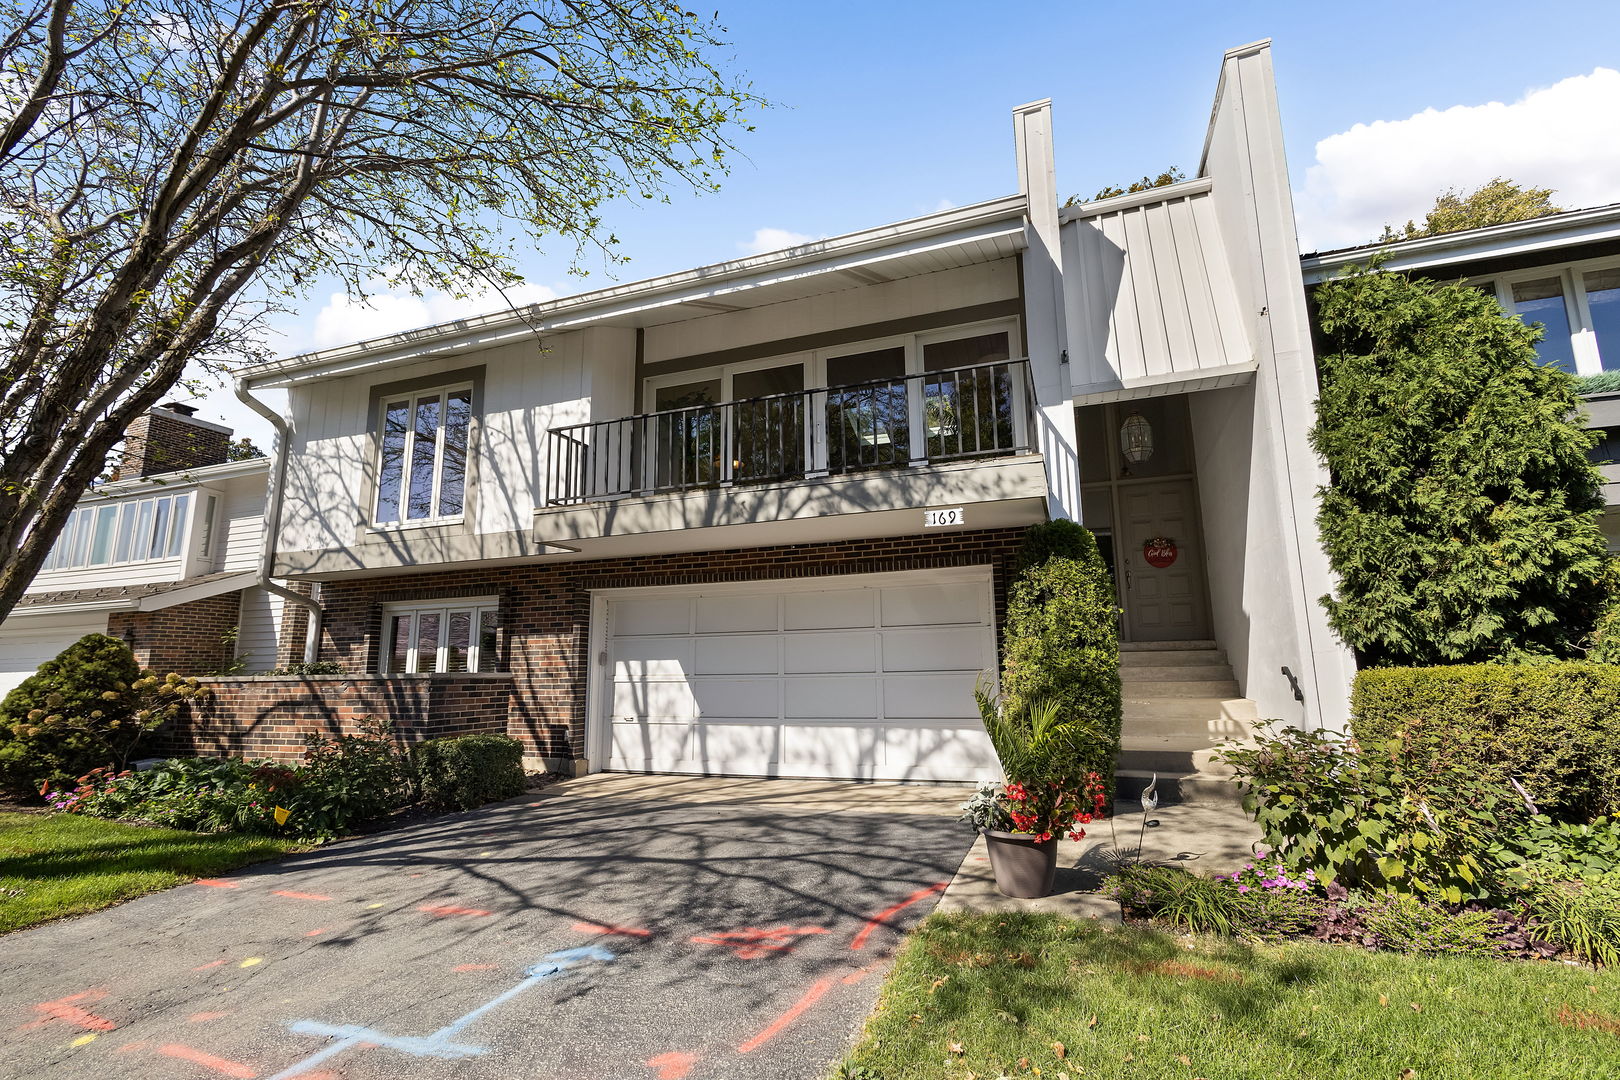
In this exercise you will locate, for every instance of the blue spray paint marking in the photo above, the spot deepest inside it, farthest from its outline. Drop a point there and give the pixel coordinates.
(438, 1044)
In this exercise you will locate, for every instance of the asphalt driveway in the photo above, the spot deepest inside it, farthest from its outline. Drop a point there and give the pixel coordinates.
(611, 927)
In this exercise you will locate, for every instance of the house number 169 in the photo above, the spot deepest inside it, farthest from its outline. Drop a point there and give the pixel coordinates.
(935, 518)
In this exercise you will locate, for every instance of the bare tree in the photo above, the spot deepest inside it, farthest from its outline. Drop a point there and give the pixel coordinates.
(173, 171)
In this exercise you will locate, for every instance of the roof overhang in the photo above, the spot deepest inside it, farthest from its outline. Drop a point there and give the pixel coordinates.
(962, 236)
(1548, 233)
(181, 593)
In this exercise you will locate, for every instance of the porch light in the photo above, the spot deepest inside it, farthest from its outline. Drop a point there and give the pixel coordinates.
(1136, 439)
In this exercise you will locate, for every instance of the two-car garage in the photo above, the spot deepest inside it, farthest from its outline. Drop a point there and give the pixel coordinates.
(867, 676)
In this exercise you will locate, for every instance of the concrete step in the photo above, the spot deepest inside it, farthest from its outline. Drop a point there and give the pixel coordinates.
(1171, 757)
(1170, 657)
(1194, 711)
(1182, 788)
(1210, 689)
(1210, 731)
(1164, 646)
(1148, 676)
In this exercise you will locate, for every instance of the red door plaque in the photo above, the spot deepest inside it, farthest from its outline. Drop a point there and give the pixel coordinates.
(1159, 552)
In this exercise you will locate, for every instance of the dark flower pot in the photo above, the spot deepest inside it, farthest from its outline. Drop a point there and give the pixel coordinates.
(1024, 867)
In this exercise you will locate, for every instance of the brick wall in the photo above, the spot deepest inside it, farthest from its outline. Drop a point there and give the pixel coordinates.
(268, 716)
(545, 609)
(163, 440)
(187, 638)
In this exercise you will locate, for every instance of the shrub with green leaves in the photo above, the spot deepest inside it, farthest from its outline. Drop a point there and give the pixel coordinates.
(1061, 642)
(1554, 727)
(1404, 923)
(350, 780)
(88, 708)
(1581, 914)
(468, 770)
(1187, 901)
(1462, 514)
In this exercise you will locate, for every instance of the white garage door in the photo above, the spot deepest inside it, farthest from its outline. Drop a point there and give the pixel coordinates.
(868, 677)
(29, 641)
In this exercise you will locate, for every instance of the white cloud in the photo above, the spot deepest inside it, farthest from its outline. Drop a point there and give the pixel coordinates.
(344, 320)
(1565, 136)
(769, 239)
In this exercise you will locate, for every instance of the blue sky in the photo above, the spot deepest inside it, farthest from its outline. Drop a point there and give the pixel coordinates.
(890, 110)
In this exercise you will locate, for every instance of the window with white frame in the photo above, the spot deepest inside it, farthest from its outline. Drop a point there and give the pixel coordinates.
(422, 455)
(130, 531)
(440, 635)
(1578, 305)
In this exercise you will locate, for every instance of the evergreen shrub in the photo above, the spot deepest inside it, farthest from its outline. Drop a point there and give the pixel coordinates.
(465, 771)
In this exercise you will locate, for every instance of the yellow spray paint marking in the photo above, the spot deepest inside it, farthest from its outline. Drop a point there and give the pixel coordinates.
(369, 906)
(82, 1040)
(250, 961)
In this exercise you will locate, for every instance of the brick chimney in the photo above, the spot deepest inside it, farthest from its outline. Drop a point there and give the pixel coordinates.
(170, 437)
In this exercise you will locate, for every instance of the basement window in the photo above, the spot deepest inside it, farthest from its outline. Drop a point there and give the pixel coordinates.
(440, 636)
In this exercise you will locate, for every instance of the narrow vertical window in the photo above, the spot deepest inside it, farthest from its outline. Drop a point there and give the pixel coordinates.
(101, 542)
(458, 641)
(81, 537)
(399, 643)
(424, 449)
(143, 531)
(126, 532)
(453, 475)
(177, 527)
(1542, 301)
(1603, 300)
(488, 654)
(159, 539)
(208, 526)
(390, 476)
(427, 641)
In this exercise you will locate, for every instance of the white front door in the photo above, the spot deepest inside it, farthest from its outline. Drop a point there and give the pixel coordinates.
(1164, 582)
(858, 677)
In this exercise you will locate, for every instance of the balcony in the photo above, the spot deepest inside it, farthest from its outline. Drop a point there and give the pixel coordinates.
(889, 446)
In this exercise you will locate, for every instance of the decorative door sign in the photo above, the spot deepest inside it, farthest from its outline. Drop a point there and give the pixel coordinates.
(1159, 552)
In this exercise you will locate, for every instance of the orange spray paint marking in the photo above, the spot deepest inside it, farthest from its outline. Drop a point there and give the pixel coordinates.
(475, 967)
(855, 976)
(441, 910)
(130, 1048)
(65, 1010)
(299, 895)
(673, 1065)
(319, 930)
(889, 912)
(204, 1017)
(205, 967)
(599, 928)
(751, 943)
(223, 1066)
(776, 1027)
(215, 883)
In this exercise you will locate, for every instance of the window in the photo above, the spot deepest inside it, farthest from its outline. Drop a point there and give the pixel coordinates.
(1578, 306)
(1603, 301)
(1542, 301)
(422, 467)
(445, 635)
(132, 531)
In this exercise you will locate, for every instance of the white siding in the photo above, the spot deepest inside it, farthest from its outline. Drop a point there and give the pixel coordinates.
(239, 527)
(1149, 294)
(27, 642)
(259, 629)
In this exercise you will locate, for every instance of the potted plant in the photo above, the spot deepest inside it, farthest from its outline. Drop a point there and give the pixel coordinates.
(1046, 794)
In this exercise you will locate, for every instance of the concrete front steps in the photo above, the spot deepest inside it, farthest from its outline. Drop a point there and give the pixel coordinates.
(1181, 702)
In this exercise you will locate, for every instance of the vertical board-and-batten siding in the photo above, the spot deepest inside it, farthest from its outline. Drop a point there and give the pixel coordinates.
(259, 630)
(1153, 296)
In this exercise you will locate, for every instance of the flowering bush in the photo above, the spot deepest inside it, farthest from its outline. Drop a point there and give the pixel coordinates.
(1043, 808)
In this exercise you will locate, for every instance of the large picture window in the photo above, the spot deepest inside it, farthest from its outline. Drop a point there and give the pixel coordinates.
(132, 531)
(442, 635)
(422, 466)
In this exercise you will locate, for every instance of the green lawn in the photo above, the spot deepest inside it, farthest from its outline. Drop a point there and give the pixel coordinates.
(976, 996)
(61, 864)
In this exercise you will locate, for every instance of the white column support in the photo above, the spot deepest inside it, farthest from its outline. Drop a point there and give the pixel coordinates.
(1043, 309)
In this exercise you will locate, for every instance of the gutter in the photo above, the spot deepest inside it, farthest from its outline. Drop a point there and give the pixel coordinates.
(272, 521)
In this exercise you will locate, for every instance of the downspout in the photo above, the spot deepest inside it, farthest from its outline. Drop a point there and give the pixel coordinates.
(272, 521)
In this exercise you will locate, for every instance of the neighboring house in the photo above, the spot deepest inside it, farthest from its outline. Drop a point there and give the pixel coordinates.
(759, 517)
(164, 556)
(1562, 271)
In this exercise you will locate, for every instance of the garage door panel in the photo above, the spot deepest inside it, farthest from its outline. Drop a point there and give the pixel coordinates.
(654, 699)
(736, 614)
(941, 751)
(650, 616)
(652, 742)
(837, 697)
(739, 699)
(642, 658)
(853, 749)
(931, 605)
(955, 648)
(23, 647)
(806, 654)
(753, 654)
(938, 696)
(744, 747)
(842, 609)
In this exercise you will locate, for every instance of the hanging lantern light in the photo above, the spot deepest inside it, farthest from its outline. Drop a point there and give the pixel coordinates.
(1136, 439)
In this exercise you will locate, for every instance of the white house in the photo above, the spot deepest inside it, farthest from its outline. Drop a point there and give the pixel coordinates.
(758, 517)
(166, 556)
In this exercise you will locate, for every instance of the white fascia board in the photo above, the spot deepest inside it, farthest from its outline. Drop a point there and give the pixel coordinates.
(949, 228)
(181, 478)
(85, 608)
(1514, 238)
(200, 591)
(1151, 197)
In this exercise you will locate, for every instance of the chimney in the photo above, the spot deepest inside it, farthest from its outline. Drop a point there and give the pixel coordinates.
(170, 437)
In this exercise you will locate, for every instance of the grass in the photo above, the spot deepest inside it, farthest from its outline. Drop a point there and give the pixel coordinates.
(988, 996)
(53, 865)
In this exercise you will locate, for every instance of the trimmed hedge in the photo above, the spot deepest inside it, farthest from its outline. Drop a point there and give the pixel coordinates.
(468, 770)
(1554, 727)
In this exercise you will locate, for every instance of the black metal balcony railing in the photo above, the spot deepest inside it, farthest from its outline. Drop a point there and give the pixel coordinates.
(978, 411)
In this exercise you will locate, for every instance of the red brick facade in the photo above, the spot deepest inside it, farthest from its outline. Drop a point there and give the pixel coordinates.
(268, 717)
(190, 639)
(166, 439)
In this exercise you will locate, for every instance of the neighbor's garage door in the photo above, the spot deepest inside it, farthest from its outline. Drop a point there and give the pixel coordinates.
(27, 642)
(868, 676)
